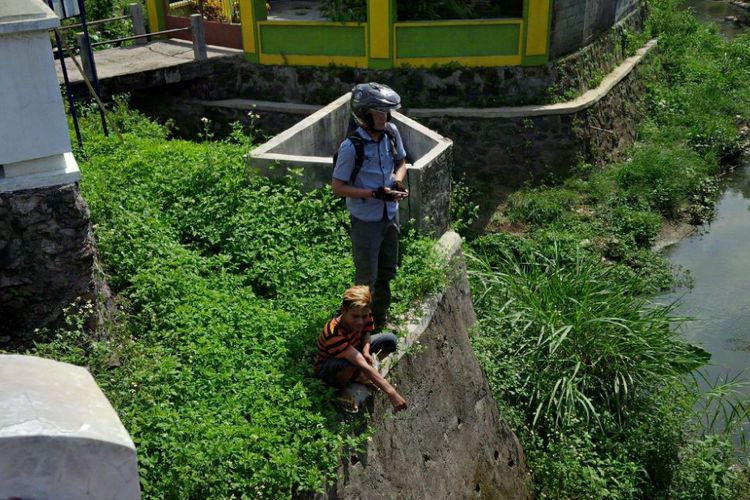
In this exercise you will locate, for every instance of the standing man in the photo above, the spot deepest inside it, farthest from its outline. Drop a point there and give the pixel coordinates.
(369, 172)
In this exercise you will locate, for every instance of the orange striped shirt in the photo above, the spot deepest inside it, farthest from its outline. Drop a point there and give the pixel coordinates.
(335, 339)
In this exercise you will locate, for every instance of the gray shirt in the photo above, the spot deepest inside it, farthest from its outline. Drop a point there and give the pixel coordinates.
(377, 171)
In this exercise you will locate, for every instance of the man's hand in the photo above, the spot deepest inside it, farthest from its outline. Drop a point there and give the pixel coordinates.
(388, 194)
(398, 402)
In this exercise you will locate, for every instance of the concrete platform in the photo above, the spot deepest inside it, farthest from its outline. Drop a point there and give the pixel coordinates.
(157, 55)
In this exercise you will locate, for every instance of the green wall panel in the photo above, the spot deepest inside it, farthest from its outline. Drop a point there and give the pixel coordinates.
(313, 40)
(459, 41)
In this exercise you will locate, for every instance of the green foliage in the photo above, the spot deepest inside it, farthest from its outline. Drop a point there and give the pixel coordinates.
(104, 9)
(464, 211)
(424, 10)
(662, 178)
(589, 345)
(344, 10)
(540, 206)
(225, 279)
(587, 371)
(570, 466)
(705, 471)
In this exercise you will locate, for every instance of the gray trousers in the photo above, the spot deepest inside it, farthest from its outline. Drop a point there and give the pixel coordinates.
(375, 251)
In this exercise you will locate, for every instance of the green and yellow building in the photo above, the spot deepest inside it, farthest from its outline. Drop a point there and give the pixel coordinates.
(382, 41)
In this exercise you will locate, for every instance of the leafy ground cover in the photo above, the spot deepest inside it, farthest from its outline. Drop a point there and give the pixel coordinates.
(224, 279)
(591, 372)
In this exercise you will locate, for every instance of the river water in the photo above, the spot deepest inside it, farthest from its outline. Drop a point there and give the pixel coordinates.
(718, 258)
(714, 11)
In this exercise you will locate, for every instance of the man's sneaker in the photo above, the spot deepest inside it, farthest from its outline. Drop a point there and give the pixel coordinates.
(347, 401)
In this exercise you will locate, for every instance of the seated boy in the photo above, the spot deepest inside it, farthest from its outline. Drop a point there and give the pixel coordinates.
(345, 349)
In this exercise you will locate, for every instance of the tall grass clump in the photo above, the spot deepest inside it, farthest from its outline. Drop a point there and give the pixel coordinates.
(590, 373)
(590, 345)
(223, 280)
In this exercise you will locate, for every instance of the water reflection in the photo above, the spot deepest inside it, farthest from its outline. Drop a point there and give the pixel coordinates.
(718, 257)
(719, 261)
(715, 11)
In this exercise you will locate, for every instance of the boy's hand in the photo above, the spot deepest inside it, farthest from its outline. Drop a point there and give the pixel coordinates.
(398, 402)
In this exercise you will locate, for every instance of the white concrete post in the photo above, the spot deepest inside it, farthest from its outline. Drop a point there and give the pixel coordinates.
(199, 37)
(34, 139)
(139, 25)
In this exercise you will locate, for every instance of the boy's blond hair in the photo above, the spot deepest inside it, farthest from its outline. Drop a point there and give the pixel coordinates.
(357, 296)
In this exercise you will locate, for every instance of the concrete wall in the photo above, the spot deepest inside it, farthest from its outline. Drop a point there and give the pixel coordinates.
(576, 23)
(451, 442)
(311, 143)
(59, 436)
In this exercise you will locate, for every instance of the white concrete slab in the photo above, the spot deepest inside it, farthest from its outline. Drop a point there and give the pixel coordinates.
(44, 172)
(17, 16)
(163, 54)
(59, 436)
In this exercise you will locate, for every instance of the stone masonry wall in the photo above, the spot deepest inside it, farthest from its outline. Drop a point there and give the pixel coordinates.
(584, 69)
(451, 442)
(499, 154)
(47, 255)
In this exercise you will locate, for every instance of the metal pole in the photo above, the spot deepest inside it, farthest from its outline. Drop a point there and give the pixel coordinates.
(95, 78)
(68, 90)
(199, 37)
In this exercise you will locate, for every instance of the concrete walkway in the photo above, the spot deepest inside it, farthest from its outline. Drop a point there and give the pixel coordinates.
(111, 63)
(295, 10)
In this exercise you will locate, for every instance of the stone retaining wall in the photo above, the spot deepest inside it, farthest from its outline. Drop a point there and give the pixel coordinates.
(451, 442)
(47, 256)
(499, 149)
(450, 85)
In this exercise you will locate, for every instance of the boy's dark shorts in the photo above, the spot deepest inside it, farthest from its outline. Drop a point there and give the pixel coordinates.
(384, 343)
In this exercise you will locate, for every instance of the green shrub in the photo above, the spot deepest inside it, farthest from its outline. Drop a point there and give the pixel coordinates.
(571, 466)
(705, 471)
(588, 372)
(588, 344)
(540, 206)
(639, 225)
(662, 178)
(225, 279)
